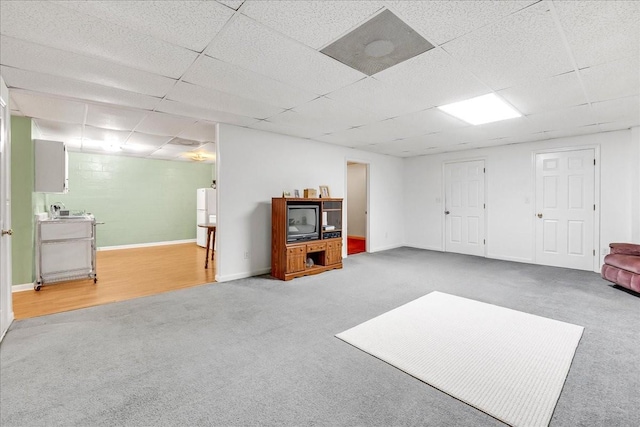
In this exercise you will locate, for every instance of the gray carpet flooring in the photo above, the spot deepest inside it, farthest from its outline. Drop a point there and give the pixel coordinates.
(260, 351)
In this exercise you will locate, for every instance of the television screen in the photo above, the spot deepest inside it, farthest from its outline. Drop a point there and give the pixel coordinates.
(302, 222)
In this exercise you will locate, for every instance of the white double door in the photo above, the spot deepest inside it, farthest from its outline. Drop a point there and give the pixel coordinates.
(465, 207)
(565, 209)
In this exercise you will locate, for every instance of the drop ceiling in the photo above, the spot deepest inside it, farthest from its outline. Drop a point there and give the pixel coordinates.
(136, 75)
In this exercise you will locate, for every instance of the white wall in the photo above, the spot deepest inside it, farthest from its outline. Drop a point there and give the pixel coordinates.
(254, 166)
(357, 199)
(510, 193)
(635, 225)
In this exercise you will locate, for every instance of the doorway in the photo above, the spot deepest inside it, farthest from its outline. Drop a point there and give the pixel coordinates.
(465, 207)
(565, 209)
(6, 306)
(357, 211)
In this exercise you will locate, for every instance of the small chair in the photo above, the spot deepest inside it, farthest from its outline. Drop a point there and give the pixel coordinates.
(622, 265)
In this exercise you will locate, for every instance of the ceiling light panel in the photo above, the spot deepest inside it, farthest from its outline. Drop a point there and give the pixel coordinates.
(113, 118)
(191, 24)
(542, 95)
(215, 74)
(380, 43)
(49, 108)
(434, 77)
(202, 131)
(600, 31)
(521, 47)
(612, 80)
(33, 57)
(442, 21)
(63, 28)
(210, 98)
(314, 23)
(481, 109)
(61, 86)
(188, 110)
(163, 124)
(252, 46)
(581, 115)
(378, 98)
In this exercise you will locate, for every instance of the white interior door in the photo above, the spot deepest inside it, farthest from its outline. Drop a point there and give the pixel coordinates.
(6, 307)
(465, 207)
(565, 209)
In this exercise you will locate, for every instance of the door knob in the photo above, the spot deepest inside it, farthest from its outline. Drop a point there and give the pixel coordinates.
(447, 212)
(9, 232)
(539, 215)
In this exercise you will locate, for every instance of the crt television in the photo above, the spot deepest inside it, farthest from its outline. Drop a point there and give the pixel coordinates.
(303, 222)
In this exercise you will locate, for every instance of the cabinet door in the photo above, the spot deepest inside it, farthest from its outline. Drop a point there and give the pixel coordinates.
(296, 259)
(334, 252)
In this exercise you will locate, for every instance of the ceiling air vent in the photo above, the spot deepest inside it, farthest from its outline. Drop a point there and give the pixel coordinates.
(381, 42)
(185, 142)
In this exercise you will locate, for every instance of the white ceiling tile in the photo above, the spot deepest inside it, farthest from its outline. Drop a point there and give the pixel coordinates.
(428, 121)
(521, 47)
(347, 138)
(191, 24)
(58, 131)
(600, 31)
(165, 154)
(618, 110)
(611, 126)
(49, 108)
(516, 126)
(106, 136)
(33, 57)
(233, 4)
(616, 79)
(202, 131)
(441, 21)
(582, 130)
(57, 26)
(136, 150)
(434, 77)
(581, 115)
(284, 129)
(215, 74)
(542, 95)
(336, 114)
(45, 83)
(377, 97)
(220, 101)
(306, 125)
(163, 124)
(145, 139)
(113, 118)
(314, 23)
(187, 110)
(252, 46)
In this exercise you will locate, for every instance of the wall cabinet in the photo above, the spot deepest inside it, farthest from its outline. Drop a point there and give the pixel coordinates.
(52, 167)
(322, 252)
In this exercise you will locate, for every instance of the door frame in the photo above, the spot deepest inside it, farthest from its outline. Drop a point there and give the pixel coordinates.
(444, 201)
(367, 164)
(596, 199)
(5, 216)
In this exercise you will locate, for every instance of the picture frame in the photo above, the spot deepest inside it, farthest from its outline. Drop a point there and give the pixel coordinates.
(296, 194)
(324, 191)
(286, 194)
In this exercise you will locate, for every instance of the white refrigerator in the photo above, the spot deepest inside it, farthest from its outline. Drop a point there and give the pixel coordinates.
(205, 212)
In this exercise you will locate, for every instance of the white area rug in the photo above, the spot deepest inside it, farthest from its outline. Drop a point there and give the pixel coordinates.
(509, 364)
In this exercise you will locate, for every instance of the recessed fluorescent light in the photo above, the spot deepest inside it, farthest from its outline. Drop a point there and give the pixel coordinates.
(481, 109)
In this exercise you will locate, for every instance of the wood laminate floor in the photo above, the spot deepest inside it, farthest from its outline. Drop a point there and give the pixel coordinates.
(122, 274)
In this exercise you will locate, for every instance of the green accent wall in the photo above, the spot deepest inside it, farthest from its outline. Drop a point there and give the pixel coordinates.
(22, 201)
(139, 200)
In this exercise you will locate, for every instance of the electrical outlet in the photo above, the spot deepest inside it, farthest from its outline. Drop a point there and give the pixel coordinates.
(246, 255)
(605, 251)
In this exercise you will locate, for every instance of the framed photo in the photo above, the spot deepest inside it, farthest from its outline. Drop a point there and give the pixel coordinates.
(286, 194)
(296, 193)
(324, 191)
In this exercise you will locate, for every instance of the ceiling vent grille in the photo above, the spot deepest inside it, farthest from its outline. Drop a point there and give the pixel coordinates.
(185, 142)
(381, 42)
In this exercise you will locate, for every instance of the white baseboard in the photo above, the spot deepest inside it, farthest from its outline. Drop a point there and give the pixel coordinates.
(22, 287)
(244, 275)
(385, 248)
(428, 248)
(146, 245)
(511, 258)
(3, 333)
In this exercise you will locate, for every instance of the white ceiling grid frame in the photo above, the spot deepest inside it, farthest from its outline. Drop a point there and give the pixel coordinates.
(314, 23)
(435, 77)
(600, 31)
(345, 138)
(612, 80)
(188, 110)
(202, 131)
(107, 136)
(339, 114)
(214, 99)
(583, 130)
(551, 93)
(54, 25)
(163, 124)
(189, 24)
(431, 120)
(252, 46)
(233, 4)
(444, 20)
(225, 77)
(581, 115)
(144, 139)
(521, 47)
(49, 108)
(61, 86)
(306, 132)
(618, 110)
(302, 124)
(58, 131)
(113, 118)
(34, 57)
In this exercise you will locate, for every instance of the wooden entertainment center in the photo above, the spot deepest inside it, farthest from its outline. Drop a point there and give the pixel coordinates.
(309, 255)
